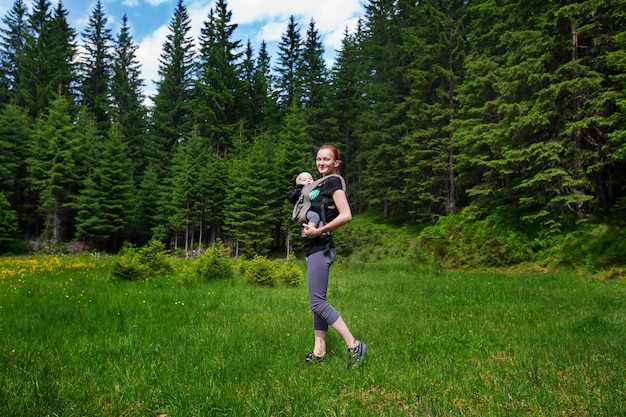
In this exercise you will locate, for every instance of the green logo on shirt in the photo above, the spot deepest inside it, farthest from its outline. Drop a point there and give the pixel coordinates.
(313, 194)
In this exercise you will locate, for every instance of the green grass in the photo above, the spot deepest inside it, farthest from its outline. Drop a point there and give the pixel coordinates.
(74, 343)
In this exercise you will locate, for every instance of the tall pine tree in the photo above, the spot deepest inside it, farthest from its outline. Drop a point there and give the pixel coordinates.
(63, 54)
(12, 45)
(126, 90)
(15, 140)
(436, 43)
(96, 71)
(219, 91)
(51, 164)
(348, 103)
(287, 78)
(171, 116)
(381, 128)
(315, 88)
(36, 73)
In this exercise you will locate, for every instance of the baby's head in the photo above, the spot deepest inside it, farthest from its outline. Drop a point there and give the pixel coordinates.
(304, 178)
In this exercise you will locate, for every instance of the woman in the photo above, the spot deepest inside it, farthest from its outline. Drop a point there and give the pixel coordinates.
(320, 253)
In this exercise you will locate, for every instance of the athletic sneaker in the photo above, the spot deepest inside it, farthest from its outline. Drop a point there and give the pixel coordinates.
(312, 358)
(356, 355)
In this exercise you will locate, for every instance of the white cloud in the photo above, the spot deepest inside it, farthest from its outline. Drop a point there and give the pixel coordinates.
(157, 2)
(330, 16)
(148, 55)
(269, 18)
(325, 12)
(271, 31)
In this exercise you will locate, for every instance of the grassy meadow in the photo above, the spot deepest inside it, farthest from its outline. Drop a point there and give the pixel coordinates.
(74, 342)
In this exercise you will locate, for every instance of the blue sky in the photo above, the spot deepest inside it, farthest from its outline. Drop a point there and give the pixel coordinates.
(257, 19)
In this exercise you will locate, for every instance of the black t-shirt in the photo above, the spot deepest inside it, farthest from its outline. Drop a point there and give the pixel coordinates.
(325, 192)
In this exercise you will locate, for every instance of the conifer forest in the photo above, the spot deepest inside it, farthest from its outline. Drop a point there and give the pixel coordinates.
(508, 109)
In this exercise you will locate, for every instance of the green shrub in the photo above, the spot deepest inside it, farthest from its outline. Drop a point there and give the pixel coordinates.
(153, 256)
(259, 271)
(127, 265)
(215, 263)
(265, 272)
(594, 247)
(140, 264)
(460, 241)
(368, 237)
(288, 273)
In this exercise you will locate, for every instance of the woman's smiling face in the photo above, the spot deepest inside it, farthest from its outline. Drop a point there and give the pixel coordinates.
(326, 162)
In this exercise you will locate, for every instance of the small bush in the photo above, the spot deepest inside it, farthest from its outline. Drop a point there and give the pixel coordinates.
(153, 256)
(140, 264)
(288, 273)
(265, 272)
(214, 264)
(259, 271)
(187, 274)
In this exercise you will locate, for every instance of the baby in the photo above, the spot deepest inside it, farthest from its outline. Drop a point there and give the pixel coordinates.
(304, 178)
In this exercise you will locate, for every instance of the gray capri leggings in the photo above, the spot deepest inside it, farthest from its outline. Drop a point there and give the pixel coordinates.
(317, 272)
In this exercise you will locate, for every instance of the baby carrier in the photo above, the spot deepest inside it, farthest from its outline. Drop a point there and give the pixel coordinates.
(304, 201)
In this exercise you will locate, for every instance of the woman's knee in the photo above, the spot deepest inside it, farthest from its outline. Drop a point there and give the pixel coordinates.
(319, 306)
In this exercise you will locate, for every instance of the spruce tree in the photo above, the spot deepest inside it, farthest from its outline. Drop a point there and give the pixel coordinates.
(313, 71)
(266, 115)
(126, 90)
(476, 128)
(219, 91)
(582, 97)
(248, 70)
(12, 45)
(187, 165)
(12, 135)
(43, 60)
(63, 54)
(104, 204)
(537, 134)
(315, 88)
(96, 71)
(288, 77)
(15, 140)
(213, 186)
(118, 206)
(149, 219)
(616, 60)
(259, 107)
(248, 217)
(348, 103)
(35, 72)
(89, 217)
(51, 167)
(381, 128)
(172, 107)
(436, 43)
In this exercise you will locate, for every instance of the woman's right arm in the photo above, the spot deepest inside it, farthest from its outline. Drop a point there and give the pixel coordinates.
(344, 216)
